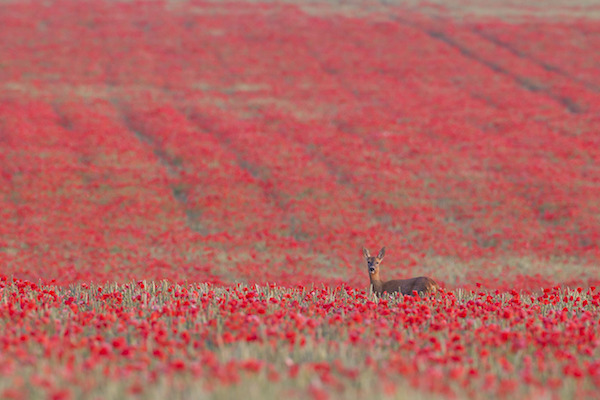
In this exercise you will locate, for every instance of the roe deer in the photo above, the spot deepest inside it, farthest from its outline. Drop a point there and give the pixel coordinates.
(421, 284)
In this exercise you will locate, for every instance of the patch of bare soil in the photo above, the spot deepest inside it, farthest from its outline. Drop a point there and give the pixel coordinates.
(512, 10)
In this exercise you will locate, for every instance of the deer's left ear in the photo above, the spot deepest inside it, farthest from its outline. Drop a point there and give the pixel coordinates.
(381, 253)
(366, 253)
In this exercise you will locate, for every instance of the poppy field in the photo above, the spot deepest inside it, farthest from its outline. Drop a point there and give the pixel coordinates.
(186, 187)
(152, 340)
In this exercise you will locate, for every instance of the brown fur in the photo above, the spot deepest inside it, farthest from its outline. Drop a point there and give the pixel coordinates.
(421, 285)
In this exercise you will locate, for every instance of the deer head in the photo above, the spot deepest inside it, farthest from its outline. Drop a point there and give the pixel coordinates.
(373, 262)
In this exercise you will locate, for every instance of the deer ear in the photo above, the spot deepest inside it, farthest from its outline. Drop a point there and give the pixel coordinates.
(381, 253)
(366, 253)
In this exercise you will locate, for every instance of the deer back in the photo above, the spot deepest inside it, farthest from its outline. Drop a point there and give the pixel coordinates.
(422, 284)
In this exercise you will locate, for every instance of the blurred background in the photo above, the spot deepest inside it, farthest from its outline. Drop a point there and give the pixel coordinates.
(270, 141)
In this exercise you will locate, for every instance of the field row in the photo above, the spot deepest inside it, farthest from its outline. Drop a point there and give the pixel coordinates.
(143, 338)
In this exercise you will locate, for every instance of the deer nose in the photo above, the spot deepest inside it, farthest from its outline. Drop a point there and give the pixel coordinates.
(371, 269)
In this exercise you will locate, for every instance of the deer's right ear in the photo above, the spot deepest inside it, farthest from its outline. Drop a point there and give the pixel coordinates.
(366, 253)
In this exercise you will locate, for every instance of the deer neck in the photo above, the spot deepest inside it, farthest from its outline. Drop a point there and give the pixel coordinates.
(376, 283)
